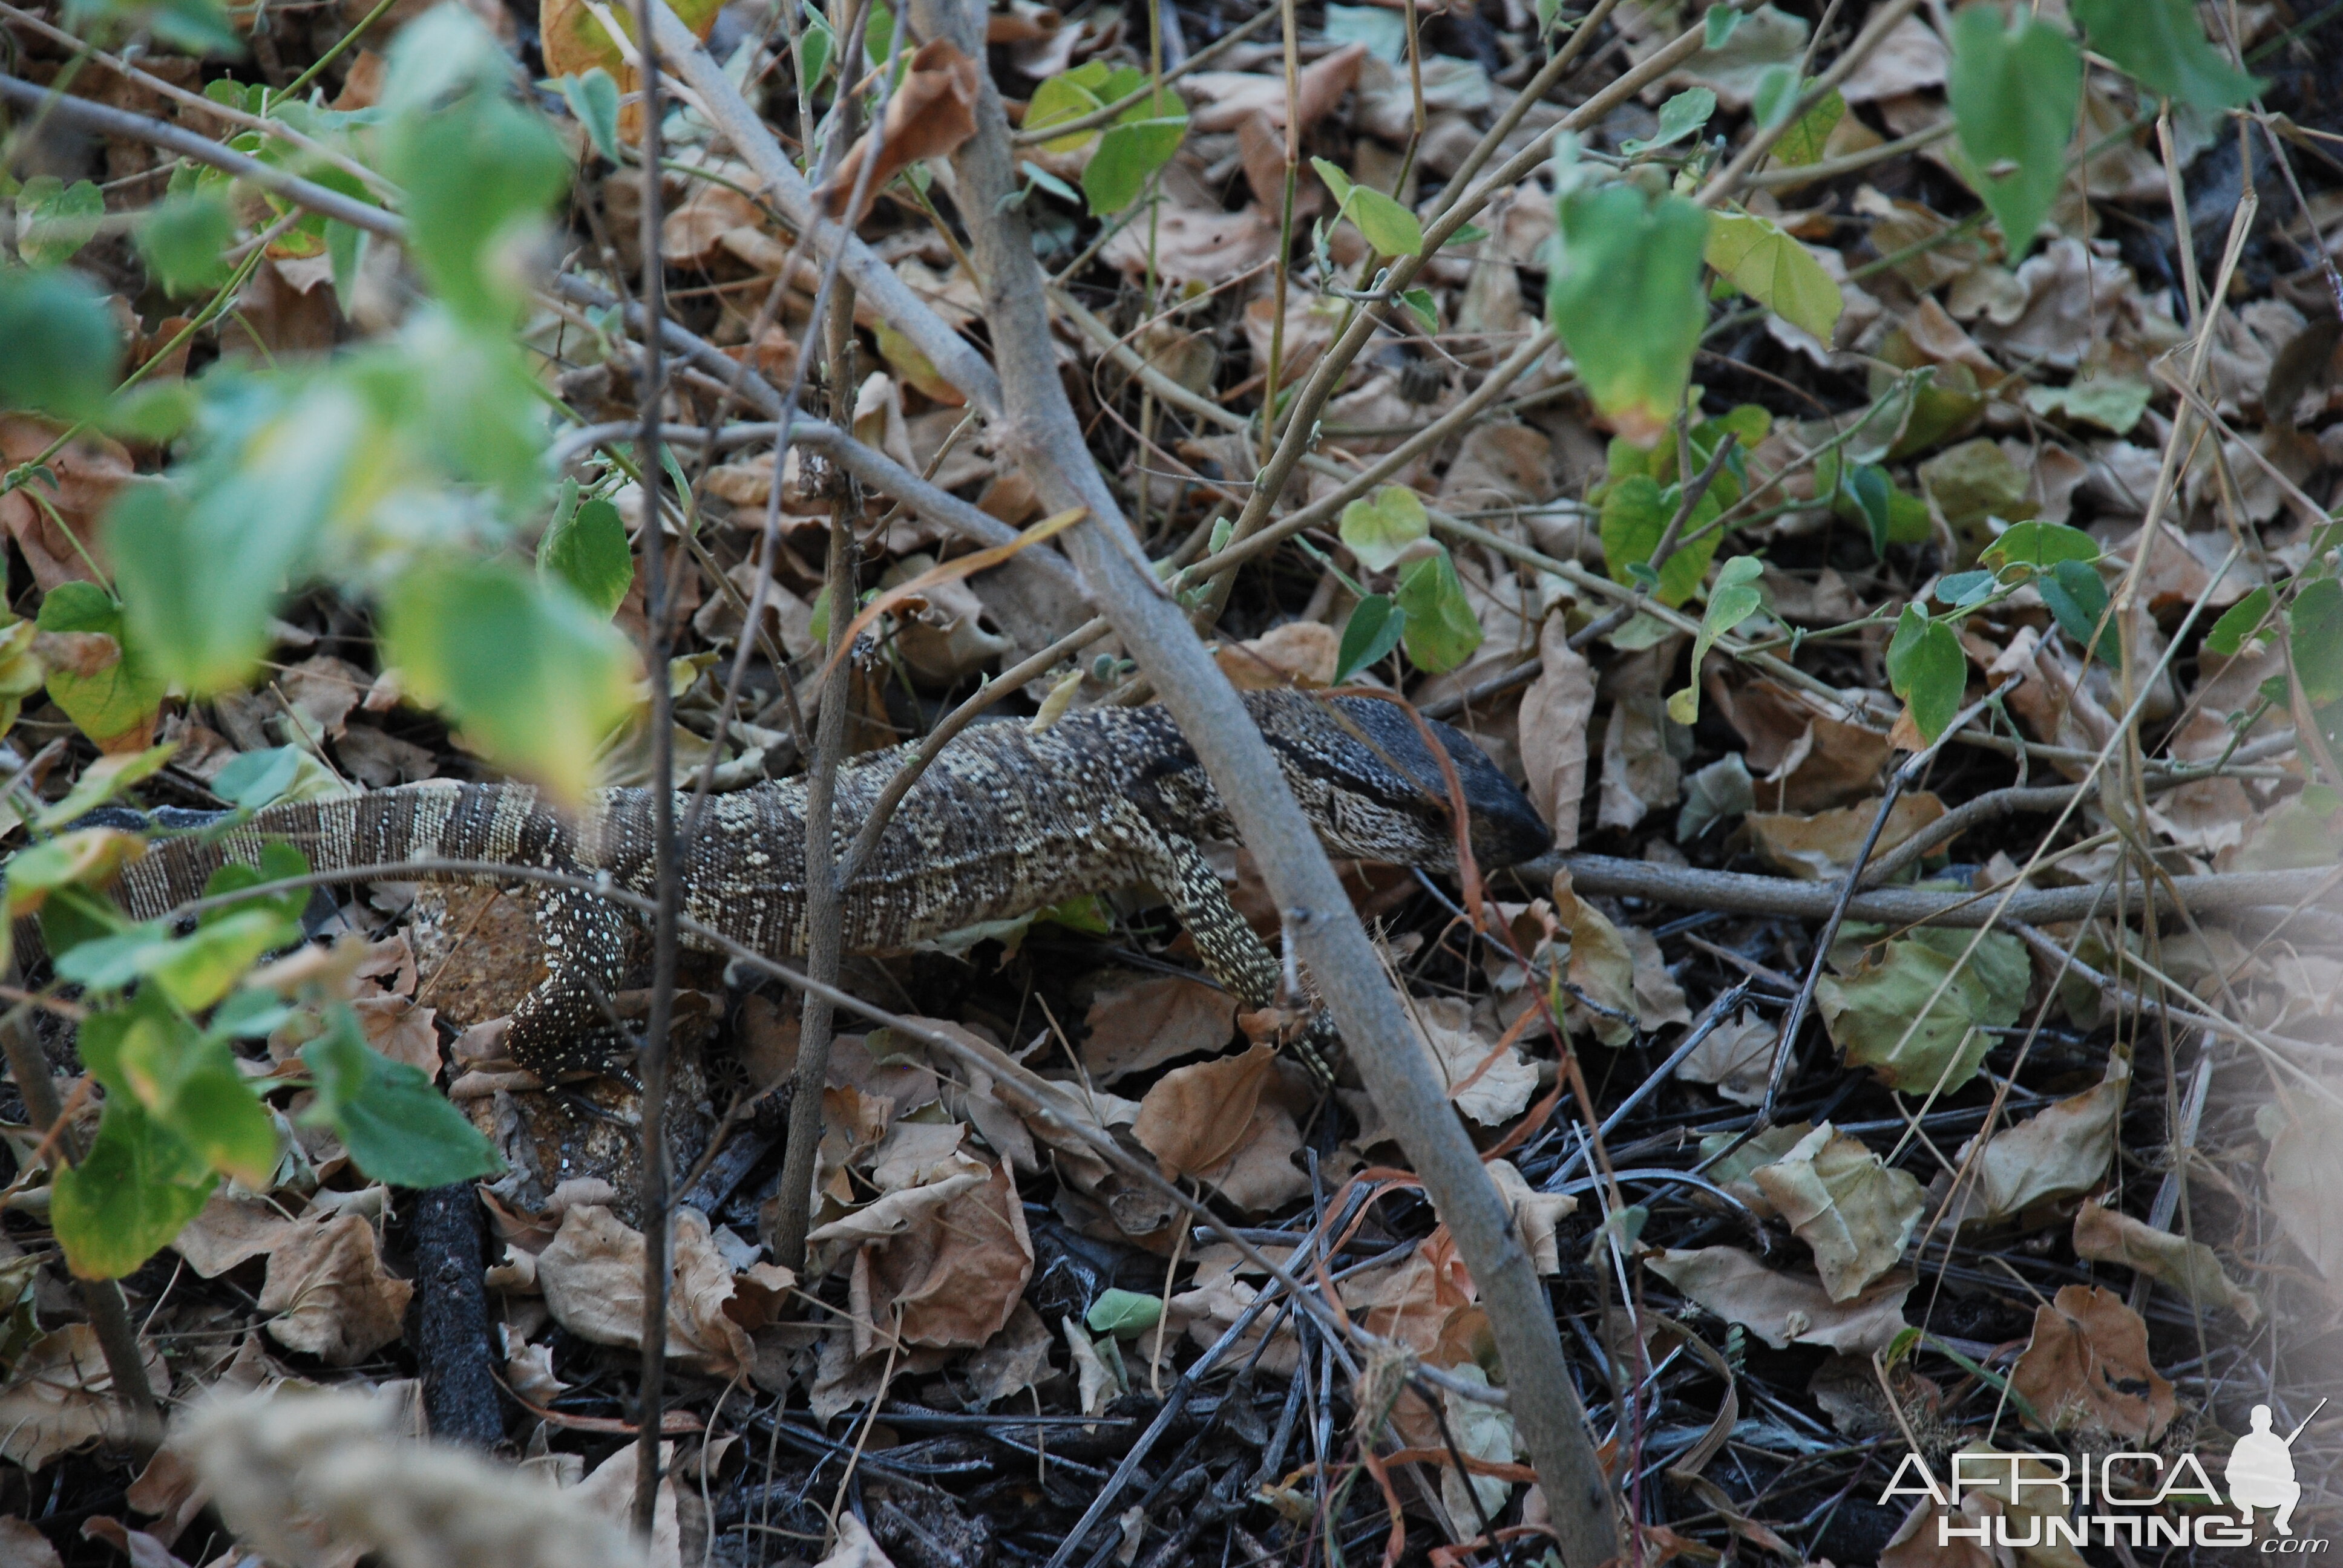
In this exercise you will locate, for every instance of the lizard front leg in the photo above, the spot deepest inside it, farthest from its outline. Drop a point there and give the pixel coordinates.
(560, 1028)
(1234, 953)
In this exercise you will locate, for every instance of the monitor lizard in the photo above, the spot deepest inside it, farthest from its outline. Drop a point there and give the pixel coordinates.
(1008, 819)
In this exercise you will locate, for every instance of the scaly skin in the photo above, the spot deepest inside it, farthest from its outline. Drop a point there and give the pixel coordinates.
(1004, 822)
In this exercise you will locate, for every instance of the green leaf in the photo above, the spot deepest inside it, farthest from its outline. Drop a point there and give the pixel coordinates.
(2113, 403)
(2240, 622)
(1734, 599)
(1776, 95)
(1909, 1016)
(199, 970)
(1802, 142)
(1427, 310)
(119, 700)
(258, 778)
(1384, 32)
(1383, 525)
(2162, 45)
(1442, 631)
(1068, 96)
(1962, 590)
(130, 1196)
(1128, 153)
(1926, 668)
(197, 26)
(63, 352)
(279, 862)
(1368, 636)
(593, 98)
(587, 548)
(397, 1126)
(816, 45)
(1776, 271)
(56, 220)
(1389, 226)
(2013, 92)
(2039, 546)
(181, 239)
(87, 857)
(158, 412)
(1626, 299)
(1680, 117)
(1718, 26)
(2314, 632)
(1126, 1315)
(1635, 513)
(480, 170)
(534, 677)
(2079, 600)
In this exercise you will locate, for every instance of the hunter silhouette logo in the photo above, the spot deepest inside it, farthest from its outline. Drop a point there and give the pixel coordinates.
(2261, 1471)
(2053, 1502)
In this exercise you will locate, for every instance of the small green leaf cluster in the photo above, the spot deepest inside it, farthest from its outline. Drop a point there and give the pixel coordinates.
(1927, 666)
(1427, 613)
(1140, 141)
(1643, 491)
(166, 1011)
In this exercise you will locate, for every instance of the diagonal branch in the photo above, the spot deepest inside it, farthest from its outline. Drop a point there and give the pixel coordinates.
(1040, 431)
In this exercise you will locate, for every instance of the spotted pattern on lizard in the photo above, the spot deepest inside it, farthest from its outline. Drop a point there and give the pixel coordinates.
(1005, 821)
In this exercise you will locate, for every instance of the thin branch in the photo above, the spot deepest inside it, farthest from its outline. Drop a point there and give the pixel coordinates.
(120, 123)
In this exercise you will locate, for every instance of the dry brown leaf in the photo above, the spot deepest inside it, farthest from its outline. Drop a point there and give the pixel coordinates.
(1299, 653)
(1556, 714)
(930, 114)
(1488, 1079)
(1822, 846)
(592, 1276)
(1499, 465)
(401, 1030)
(1262, 1175)
(1012, 1361)
(1642, 769)
(331, 1294)
(56, 527)
(1804, 760)
(2111, 1236)
(1601, 966)
(1737, 1057)
(855, 1549)
(2087, 1357)
(231, 1230)
(2305, 1171)
(953, 1276)
(1196, 1118)
(2060, 1152)
(1095, 1379)
(1193, 245)
(1659, 1000)
(1535, 1214)
(1225, 98)
(1211, 1307)
(1780, 1308)
(24, 1546)
(1856, 1212)
(608, 1494)
(1311, 321)
(59, 1397)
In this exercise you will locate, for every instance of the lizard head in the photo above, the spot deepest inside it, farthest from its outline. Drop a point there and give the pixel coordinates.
(1360, 768)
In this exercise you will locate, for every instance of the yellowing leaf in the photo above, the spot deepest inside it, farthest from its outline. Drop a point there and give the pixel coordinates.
(1777, 272)
(1380, 528)
(1626, 299)
(1851, 1207)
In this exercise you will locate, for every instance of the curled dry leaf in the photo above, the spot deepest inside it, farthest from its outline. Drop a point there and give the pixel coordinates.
(1488, 1079)
(2304, 1170)
(592, 1271)
(1823, 846)
(2059, 1151)
(1143, 1020)
(1851, 1207)
(24, 1546)
(1196, 1118)
(2086, 1367)
(2111, 1236)
(1601, 966)
(855, 1549)
(1012, 1361)
(1781, 1308)
(331, 1296)
(59, 1397)
(1535, 1214)
(1556, 716)
(954, 1273)
(56, 525)
(930, 114)
(1737, 1058)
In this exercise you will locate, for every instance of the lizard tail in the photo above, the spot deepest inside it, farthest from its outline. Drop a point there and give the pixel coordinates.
(439, 820)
